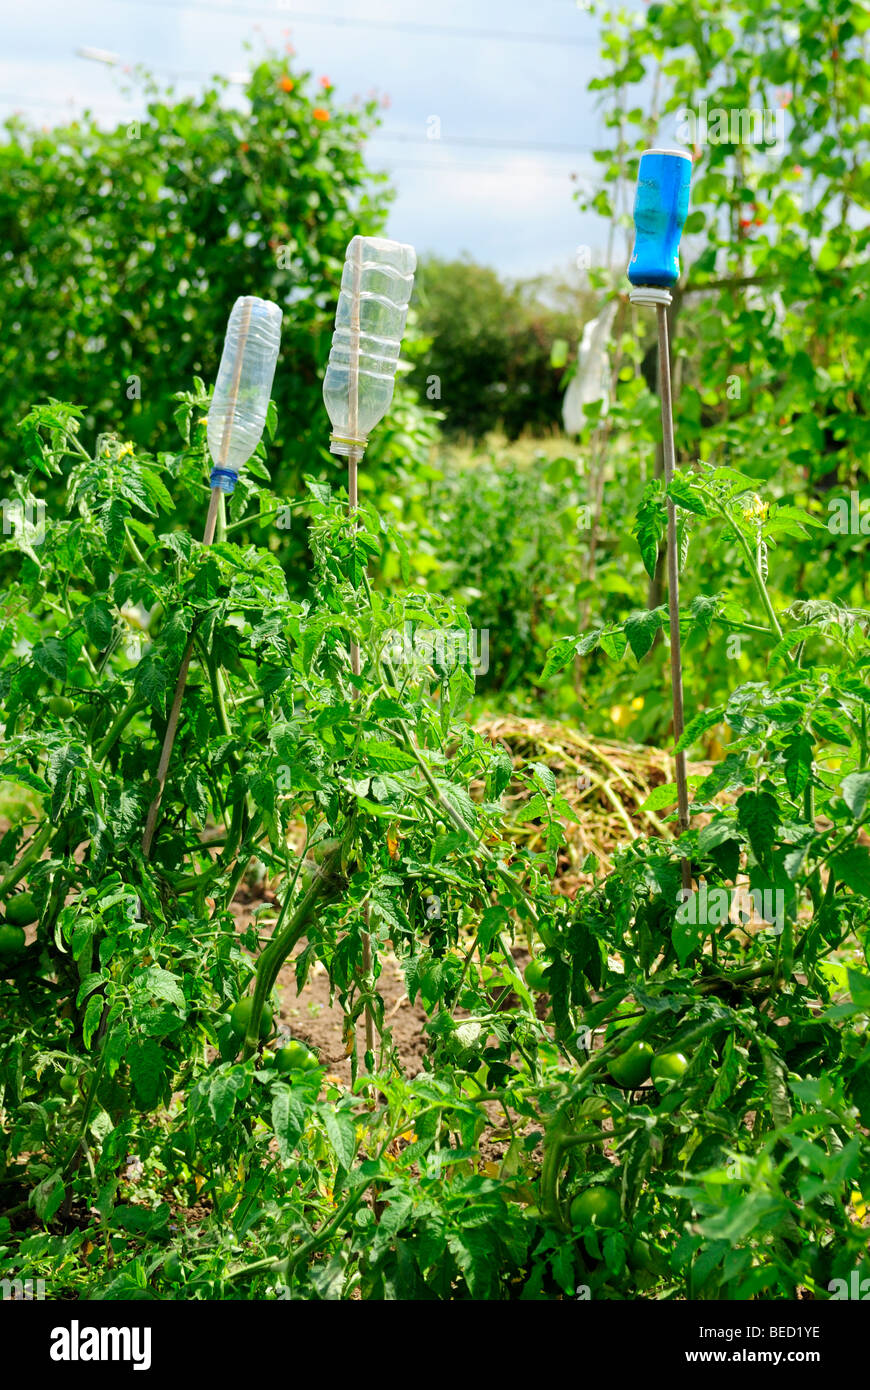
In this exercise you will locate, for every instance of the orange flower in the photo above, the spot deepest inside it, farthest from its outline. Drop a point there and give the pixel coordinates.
(244, 147)
(286, 84)
(320, 113)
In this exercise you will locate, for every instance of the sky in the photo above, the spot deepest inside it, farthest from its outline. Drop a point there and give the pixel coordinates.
(505, 79)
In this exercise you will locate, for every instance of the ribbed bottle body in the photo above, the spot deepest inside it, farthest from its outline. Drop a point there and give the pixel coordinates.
(237, 413)
(376, 285)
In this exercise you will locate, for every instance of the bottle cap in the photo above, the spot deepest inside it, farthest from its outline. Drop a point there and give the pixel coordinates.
(224, 478)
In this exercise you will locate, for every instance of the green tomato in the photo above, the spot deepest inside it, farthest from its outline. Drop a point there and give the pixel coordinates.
(648, 1257)
(294, 1056)
(172, 1270)
(240, 1017)
(20, 911)
(597, 1206)
(535, 976)
(61, 707)
(69, 1083)
(668, 1068)
(631, 1068)
(11, 942)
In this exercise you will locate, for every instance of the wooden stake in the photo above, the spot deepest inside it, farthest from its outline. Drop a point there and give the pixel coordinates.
(673, 582)
(353, 458)
(207, 538)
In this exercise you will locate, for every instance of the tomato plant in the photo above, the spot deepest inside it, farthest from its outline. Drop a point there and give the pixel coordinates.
(673, 1098)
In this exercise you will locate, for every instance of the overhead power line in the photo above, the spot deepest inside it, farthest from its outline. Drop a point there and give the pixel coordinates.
(394, 136)
(405, 26)
(482, 141)
(464, 168)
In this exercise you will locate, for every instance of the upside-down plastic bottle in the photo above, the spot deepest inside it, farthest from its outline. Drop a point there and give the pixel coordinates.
(237, 413)
(661, 205)
(376, 285)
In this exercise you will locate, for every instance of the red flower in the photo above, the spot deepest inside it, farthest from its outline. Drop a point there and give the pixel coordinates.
(325, 84)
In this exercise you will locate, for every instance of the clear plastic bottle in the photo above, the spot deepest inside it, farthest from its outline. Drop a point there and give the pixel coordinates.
(376, 286)
(237, 413)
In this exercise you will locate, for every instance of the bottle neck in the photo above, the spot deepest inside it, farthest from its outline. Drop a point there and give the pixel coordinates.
(342, 444)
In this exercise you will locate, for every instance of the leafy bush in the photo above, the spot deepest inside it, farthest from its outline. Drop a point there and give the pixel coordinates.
(142, 1110)
(673, 1098)
(124, 250)
(489, 365)
(507, 534)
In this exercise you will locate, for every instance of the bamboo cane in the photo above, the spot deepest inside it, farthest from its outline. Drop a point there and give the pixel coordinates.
(207, 538)
(353, 458)
(661, 205)
(673, 584)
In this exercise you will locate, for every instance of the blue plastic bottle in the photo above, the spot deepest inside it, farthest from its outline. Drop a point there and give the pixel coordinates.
(660, 207)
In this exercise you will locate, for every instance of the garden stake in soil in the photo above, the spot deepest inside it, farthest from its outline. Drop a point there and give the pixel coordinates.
(236, 419)
(376, 285)
(660, 208)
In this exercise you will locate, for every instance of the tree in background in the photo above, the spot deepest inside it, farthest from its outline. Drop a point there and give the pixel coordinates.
(770, 324)
(490, 363)
(123, 250)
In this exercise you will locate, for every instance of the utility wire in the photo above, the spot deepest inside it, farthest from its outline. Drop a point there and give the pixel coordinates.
(556, 147)
(398, 25)
(505, 169)
(402, 137)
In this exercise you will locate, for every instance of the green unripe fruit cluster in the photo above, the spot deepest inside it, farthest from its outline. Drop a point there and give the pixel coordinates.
(20, 911)
(535, 976)
(295, 1057)
(240, 1017)
(597, 1206)
(631, 1068)
(11, 942)
(668, 1068)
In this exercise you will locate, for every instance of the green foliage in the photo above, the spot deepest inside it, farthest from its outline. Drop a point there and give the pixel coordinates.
(124, 250)
(127, 996)
(490, 362)
(499, 526)
(769, 340)
(741, 1168)
(121, 1034)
